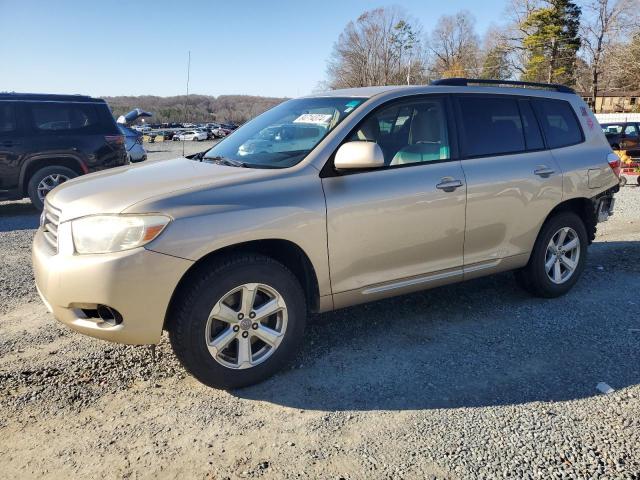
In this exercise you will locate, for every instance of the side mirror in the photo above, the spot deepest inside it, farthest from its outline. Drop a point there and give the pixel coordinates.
(358, 154)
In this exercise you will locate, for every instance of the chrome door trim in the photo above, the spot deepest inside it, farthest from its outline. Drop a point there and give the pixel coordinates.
(412, 282)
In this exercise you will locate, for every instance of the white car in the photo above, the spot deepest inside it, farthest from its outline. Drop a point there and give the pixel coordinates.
(194, 135)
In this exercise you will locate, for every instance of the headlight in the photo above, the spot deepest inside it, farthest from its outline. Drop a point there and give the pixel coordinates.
(113, 233)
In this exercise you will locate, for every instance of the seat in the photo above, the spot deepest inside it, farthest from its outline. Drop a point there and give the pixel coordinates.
(425, 143)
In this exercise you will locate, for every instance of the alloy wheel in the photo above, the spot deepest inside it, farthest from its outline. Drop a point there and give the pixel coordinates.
(246, 326)
(562, 255)
(50, 182)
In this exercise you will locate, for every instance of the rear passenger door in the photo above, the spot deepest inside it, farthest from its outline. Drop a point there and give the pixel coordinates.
(11, 146)
(512, 180)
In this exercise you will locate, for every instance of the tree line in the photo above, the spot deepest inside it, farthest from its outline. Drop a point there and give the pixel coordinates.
(195, 108)
(591, 45)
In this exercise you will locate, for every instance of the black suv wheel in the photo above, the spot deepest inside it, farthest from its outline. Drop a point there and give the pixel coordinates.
(45, 180)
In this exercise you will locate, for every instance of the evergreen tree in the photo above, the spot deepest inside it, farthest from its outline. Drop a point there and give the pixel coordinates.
(553, 42)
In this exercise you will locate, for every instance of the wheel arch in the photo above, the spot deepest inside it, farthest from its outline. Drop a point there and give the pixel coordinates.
(286, 252)
(581, 206)
(35, 163)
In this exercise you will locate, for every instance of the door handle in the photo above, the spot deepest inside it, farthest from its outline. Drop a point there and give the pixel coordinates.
(544, 171)
(448, 184)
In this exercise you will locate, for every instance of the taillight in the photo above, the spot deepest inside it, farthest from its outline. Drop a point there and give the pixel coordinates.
(614, 163)
(114, 140)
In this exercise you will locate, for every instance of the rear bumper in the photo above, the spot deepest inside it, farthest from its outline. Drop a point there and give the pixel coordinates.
(137, 283)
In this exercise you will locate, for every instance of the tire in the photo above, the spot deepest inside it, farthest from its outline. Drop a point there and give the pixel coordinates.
(534, 277)
(189, 327)
(623, 181)
(34, 187)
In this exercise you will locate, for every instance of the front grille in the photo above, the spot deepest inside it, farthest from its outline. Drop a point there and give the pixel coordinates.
(50, 223)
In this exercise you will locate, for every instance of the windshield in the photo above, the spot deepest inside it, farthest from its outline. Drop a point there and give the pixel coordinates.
(283, 136)
(611, 129)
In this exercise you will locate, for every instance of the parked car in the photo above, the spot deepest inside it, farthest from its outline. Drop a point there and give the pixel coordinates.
(133, 144)
(166, 134)
(133, 138)
(409, 188)
(193, 135)
(623, 136)
(220, 132)
(46, 140)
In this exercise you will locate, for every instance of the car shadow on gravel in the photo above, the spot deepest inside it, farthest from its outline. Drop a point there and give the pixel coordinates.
(479, 343)
(18, 216)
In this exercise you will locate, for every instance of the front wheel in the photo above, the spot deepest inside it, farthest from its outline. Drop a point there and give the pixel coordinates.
(558, 257)
(238, 322)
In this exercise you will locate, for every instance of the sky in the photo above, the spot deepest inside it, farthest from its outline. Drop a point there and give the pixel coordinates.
(117, 47)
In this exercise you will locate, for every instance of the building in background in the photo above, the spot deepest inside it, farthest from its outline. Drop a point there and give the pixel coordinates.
(615, 102)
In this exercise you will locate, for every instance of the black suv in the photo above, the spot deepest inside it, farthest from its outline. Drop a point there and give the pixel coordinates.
(623, 136)
(48, 139)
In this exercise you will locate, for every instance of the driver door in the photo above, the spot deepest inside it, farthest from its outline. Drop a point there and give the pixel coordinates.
(398, 228)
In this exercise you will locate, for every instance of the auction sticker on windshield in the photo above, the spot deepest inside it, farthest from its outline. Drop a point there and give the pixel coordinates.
(317, 118)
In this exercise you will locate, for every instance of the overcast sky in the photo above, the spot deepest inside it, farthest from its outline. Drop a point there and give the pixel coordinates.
(110, 47)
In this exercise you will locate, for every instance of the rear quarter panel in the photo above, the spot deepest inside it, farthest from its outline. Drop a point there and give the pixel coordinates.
(586, 171)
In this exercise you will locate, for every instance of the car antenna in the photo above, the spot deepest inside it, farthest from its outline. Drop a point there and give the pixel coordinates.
(186, 100)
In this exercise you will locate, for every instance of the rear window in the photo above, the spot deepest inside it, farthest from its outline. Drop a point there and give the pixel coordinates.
(559, 122)
(492, 126)
(7, 117)
(63, 116)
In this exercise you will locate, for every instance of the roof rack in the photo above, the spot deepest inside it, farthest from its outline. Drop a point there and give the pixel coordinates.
(464, 82)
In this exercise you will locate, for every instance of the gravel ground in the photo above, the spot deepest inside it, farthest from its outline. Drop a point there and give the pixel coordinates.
(476, 380)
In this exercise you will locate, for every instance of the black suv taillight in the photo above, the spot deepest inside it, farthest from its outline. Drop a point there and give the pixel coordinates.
(114, 140)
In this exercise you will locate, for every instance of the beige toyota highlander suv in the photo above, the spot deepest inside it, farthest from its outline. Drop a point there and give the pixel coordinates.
(324, 202)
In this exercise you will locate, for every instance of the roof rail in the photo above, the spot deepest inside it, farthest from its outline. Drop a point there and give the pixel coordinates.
(463, 82)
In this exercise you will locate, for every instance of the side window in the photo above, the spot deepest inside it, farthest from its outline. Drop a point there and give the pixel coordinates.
(60, 116)
(409, 133)
(631, 131)
(491, 125)
(7, 118)
(559, 122)
(532, 134)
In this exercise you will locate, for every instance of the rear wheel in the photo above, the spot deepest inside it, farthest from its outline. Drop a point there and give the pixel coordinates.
(45, 180)
(240, 322)
(623, 181)
(558, 257)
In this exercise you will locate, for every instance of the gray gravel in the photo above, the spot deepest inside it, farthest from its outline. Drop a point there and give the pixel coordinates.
(476, 380)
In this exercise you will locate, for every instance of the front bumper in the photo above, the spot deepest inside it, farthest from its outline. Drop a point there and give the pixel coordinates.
(137, 283)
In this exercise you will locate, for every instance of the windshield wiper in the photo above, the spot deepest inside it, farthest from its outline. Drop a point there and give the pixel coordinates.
(226, 161)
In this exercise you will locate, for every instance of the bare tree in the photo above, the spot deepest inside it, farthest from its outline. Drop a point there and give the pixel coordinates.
(381, 47)
(455, 46)
(603, 25)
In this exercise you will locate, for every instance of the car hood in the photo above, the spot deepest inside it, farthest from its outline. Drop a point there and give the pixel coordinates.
(114, 190)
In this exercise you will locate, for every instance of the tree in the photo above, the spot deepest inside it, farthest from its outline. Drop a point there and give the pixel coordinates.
(496, 62)
(552, 43)
(381, 47)
(602, 28)
(455, 46)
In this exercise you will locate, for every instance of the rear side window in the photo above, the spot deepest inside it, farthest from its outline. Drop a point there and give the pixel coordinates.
(49, 117)
(559, 122)
(491, 125)
(7, 117)
(532, 135)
